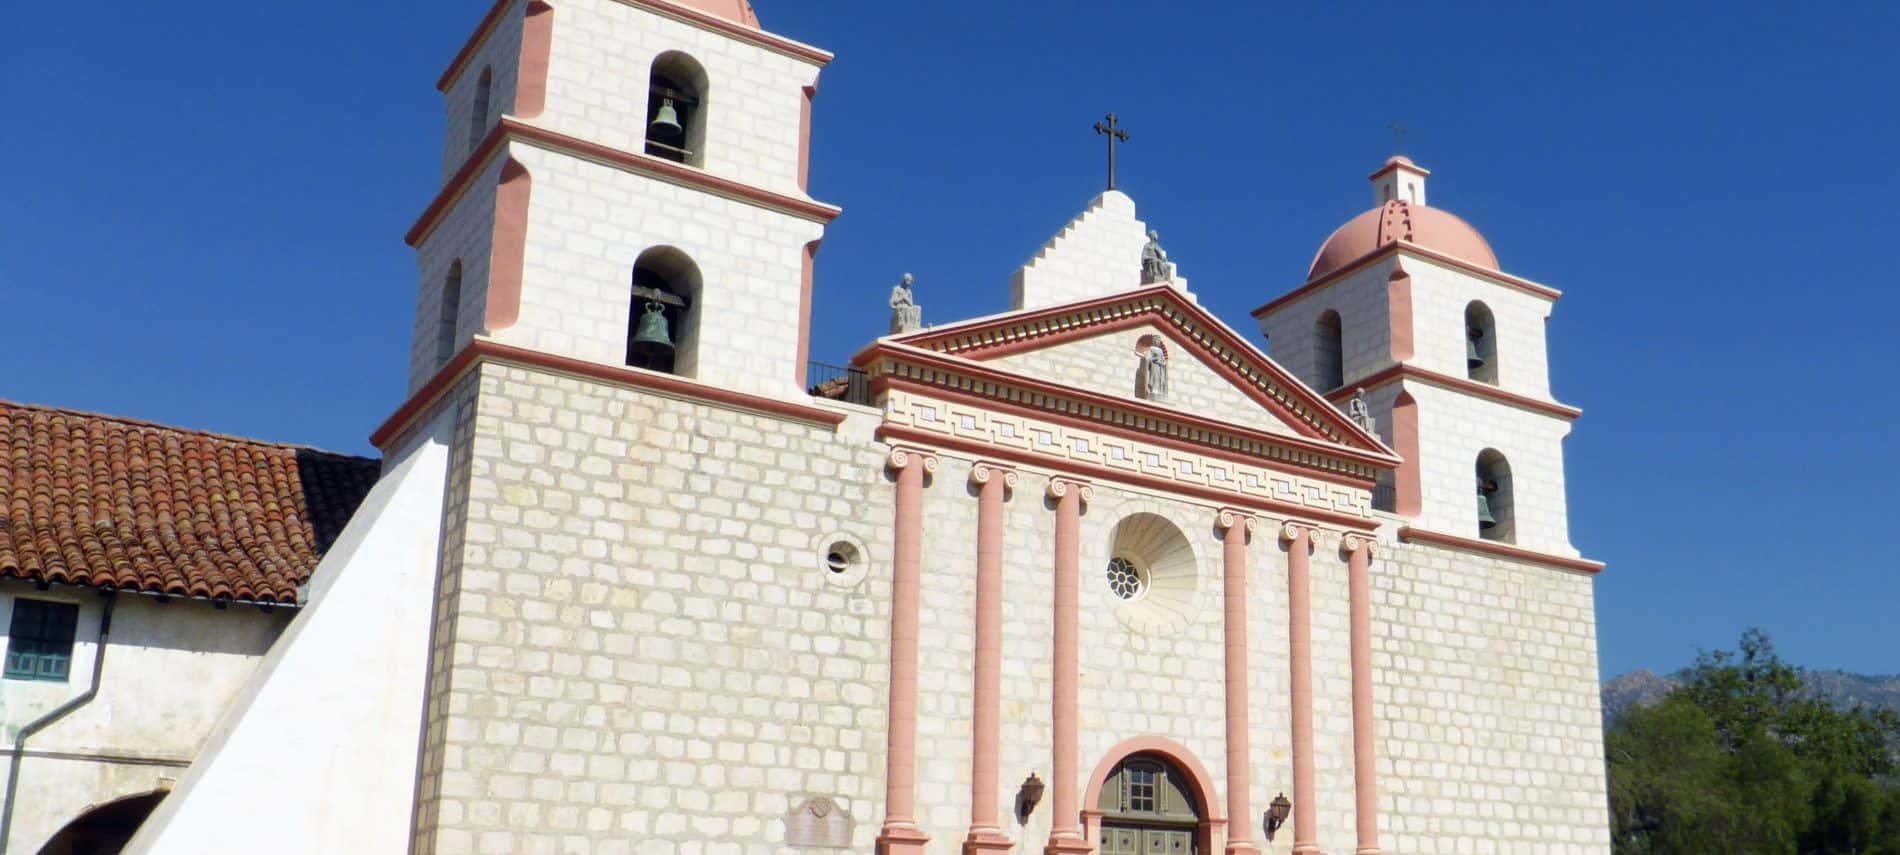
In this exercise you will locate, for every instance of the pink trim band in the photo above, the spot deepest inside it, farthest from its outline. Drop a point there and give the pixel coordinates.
(1065, 834)
(1365, 761)
(1235, 526)
(509, 128)
(1410, 534)
(808, 263)
(1505, 279)
(741, 32)
(900, 834)
(1398, 298)
(986, 832)
(1299, 604)
(666, 384)
(1459, 384)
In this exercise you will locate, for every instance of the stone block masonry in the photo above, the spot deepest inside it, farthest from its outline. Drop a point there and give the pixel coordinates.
(648, 652)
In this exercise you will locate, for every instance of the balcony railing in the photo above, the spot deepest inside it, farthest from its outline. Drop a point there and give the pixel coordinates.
(839, 383)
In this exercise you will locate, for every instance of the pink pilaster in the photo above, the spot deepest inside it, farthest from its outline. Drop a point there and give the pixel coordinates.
(1364, 762)
(986, 833)
(1235, 525)
(900, 834)
(1065, 834)
(1299, 604)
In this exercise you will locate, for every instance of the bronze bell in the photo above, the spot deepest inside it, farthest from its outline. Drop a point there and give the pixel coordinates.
(652, 339)
(1472, 360)
(1485, 519)
(666, 121)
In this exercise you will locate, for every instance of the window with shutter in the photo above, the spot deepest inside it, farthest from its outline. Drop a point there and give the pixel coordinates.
(40, 640)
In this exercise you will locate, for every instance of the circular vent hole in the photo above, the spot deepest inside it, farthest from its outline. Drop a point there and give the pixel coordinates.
(840, 556)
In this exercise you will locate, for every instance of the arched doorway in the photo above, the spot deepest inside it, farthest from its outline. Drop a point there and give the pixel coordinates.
(1148, 808)
(104, 830)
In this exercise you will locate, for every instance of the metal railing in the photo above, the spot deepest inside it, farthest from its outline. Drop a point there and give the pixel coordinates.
(839, 383)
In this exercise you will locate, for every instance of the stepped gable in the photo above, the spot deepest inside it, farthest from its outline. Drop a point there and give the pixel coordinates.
(108, 502)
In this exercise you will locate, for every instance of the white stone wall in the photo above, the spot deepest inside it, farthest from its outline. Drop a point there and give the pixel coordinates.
(647, 653)
(1108, 364)
(597, 89)
(1453, 428)
(171, 671)
(587, 223)
(1490, 729)
(1096, 254)
(466, 234)
(1365, 327)
(500, 53)
(1439, 297)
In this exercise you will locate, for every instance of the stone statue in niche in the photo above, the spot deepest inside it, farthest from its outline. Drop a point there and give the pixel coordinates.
(1154, 260)
(1154, 369)
(906, 315)
(820, 823)
(1361, 414)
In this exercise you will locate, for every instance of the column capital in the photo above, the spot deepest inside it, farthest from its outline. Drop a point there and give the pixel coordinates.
(983, 470)
(1060, 485)
(1293, 530)
(1228, 518)
(902, 457)
(1354, 541)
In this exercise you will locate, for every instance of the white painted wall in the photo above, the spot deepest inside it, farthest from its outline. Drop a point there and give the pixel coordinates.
(318, 754)
(1096, 254)
(1364, 323)
(170, 671)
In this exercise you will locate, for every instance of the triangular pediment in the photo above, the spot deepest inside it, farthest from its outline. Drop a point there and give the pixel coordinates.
(1090, 347)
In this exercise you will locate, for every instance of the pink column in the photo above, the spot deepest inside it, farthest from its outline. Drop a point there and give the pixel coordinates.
(1364, 762)
(900, 834)
(986, 833)
(1065, 834)
(1299, 604)
(1235, 526)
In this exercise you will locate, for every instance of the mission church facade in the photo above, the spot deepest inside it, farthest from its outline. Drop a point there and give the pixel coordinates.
(1090, 575)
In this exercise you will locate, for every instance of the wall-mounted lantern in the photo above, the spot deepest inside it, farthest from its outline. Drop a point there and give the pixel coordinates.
(1028, 797)
(1276, 814)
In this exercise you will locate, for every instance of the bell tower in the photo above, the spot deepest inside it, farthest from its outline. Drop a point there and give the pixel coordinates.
(625, 185)
(1408, 305)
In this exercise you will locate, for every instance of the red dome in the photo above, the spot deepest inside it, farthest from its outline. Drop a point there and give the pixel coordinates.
(1423, 226)
(737, 11)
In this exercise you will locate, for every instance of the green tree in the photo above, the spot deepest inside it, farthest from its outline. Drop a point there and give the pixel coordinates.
(1743, 759)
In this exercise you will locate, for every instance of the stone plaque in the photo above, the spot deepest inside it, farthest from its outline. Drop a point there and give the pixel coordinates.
(818, 823)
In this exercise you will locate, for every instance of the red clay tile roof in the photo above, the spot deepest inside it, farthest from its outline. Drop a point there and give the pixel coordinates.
(109, 502)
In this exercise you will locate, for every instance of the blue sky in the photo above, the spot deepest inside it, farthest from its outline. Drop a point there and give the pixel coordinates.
(202, 225)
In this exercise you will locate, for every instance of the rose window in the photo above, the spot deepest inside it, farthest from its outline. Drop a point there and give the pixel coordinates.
(1124, 578)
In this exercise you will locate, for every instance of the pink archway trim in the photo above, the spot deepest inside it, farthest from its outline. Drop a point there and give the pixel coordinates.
(1175, 753)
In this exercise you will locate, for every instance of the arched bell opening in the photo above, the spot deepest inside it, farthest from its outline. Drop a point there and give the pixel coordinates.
(662, 316)
(478, 112)
(676, 109)
(1329, 354)
(1497, 519)
(448, 315)
(1481, 344)
(104, 830)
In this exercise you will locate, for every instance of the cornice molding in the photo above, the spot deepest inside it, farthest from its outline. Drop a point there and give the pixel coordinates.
(482, 350)
(1222, 350)
(1408, 248)
(512, 129)
(979, 385)
(1411, 534)
(1076, 470)
(1456, 384)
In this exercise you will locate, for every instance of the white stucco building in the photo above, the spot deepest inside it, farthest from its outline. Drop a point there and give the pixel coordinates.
(1092, 575)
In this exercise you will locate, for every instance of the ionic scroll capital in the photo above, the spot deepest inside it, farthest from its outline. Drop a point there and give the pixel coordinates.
(902, 457)
(1354, 541)
(983, 470)
(1229, 517)
(1291, 532)
(1060, 486)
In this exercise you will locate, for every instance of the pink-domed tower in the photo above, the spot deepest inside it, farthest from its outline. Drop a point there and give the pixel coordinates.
(1408, 303)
